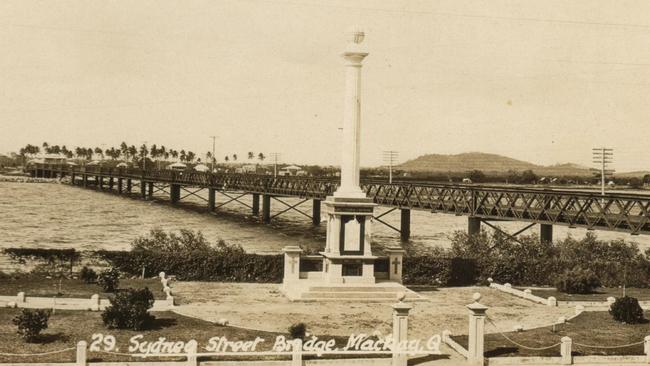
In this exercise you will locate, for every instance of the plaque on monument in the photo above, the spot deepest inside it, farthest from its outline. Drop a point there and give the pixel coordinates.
(352, 234)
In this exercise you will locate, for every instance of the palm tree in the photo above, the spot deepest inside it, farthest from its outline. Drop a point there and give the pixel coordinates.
(174, 154)
(46, 147)
(99, 151)
(261, 157)
(125, 150)
(251, 155)
(183, 155)
(133, 151)
(226, 158)
(234, 157)
(190, 156)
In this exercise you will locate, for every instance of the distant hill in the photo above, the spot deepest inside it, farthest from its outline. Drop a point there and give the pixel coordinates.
(488, 163)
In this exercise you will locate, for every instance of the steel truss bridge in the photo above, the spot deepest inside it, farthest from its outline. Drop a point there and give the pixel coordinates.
(624, 212)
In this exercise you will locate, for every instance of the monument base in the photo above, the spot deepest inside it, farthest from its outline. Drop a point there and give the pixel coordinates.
(311, 290)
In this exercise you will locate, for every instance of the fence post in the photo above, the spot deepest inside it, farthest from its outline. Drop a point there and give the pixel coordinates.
(476, 331)
(20, 298)
(565, 351)
(81, 353)
(191, 353)
(400, 331)
(646, 348)
(296, 352)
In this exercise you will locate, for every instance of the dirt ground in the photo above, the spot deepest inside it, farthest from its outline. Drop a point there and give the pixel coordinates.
(263, 307)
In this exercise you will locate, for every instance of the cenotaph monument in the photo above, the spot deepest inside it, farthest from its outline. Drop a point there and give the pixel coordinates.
(347, 268)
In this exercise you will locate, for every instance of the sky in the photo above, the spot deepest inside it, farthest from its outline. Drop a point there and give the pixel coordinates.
(541, 81)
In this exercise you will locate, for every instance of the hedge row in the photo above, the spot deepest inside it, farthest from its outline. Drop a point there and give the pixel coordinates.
(199, 265)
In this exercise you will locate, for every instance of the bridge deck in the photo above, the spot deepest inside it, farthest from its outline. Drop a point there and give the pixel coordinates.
(626, 212)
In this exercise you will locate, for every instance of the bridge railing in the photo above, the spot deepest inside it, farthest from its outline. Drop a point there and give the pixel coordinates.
(614, 211)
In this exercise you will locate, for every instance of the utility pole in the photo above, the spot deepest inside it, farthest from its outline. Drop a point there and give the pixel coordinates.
(275, 157)
(603, 156)
(213, 158)
(390, 157)
(144, 158)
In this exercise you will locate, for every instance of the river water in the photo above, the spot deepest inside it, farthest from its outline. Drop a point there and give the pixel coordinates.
(61, 216)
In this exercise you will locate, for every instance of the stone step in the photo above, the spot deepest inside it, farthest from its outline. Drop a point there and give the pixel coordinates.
(352, 295)
(348, 288)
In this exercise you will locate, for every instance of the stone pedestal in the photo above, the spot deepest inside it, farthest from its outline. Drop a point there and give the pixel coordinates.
(476, 331)
(395, 261)
(347, 257)
(400, 332)
(291, 264)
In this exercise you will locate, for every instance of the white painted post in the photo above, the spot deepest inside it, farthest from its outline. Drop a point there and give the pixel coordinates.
(400, 331)
(646, 348)
(191, 353)
(20, 298)
(551, 301)
(476, 331)
(94, 302)
(610, 301)
(161, 275)
(81, 353)
(170, 301)
(565, 351)
(296, 353)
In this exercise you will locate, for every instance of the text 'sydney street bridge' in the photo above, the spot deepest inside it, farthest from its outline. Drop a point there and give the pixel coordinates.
(626, 212)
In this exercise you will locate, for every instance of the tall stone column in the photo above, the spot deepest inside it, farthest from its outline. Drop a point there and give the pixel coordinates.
(350, 160)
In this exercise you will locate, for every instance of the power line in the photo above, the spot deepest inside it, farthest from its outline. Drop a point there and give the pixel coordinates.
(603, 157)
(275, 156)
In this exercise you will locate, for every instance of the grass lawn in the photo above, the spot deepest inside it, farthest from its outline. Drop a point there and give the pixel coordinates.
(35, 285)
(66, 328)
(589, 328)
(601, 294)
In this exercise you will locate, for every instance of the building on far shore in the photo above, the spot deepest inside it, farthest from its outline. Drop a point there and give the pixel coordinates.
(48, 159)
(292, 170)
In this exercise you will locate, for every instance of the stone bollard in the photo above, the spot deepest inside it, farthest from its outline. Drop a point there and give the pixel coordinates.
(94, 302)
(161, 275)
(565, 351)
(490, 280)
(81, 353)
(610, 301)
(296, 353)
(400, 330)
(476, 337)
(551, 301)
(646, 348)
(20, 298)
(191, 348)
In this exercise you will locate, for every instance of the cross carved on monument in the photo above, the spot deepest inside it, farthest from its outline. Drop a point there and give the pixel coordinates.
(293, 264)
(396, 263)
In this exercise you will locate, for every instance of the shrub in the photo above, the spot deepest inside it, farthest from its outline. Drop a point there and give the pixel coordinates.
(88, 275)
(627, 309)
(109, 279)
(298, 331)
(31, 322)
(577, 281)
(128, 310)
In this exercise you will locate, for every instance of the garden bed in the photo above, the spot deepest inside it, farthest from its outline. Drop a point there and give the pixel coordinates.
(41, 286)
(589, 328)
(601, 294)
(66, 328)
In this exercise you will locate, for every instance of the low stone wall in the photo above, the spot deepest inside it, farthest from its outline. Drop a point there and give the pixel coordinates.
(525, 294)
